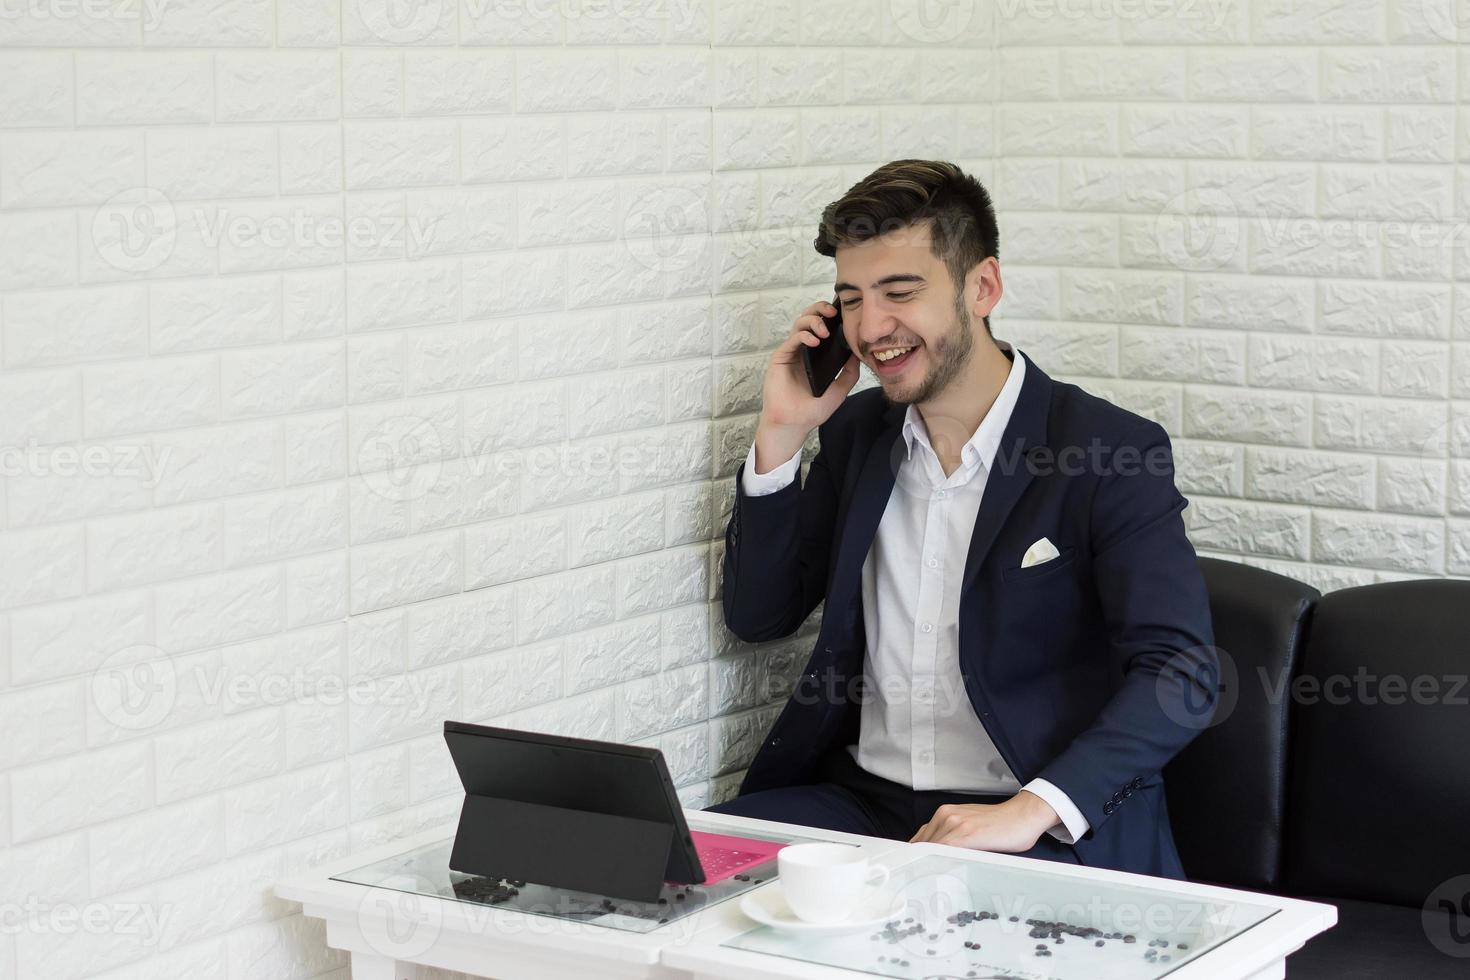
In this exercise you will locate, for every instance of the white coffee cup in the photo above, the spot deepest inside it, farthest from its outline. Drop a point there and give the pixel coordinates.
(825, 882)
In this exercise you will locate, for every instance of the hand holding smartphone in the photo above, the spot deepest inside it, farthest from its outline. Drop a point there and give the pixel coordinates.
(824, 361)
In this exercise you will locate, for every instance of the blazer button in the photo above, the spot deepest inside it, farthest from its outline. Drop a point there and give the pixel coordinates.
(1138, 782)
(1128, 792)
(1109, 807)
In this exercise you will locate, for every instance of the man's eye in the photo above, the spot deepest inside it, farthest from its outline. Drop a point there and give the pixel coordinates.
(849, 302)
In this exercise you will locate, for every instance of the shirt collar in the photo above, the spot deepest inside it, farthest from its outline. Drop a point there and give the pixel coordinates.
(983, 445)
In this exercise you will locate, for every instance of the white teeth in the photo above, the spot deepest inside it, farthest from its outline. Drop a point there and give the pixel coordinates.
(889, 355)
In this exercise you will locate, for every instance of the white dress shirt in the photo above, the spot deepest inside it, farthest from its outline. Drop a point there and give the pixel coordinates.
(918, 727)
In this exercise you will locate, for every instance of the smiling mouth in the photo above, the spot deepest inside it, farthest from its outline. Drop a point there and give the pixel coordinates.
(892, 366)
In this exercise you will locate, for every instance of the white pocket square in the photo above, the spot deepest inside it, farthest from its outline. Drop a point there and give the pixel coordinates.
(1042, 550)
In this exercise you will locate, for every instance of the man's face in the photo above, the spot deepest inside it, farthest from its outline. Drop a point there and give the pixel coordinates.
(896, 293)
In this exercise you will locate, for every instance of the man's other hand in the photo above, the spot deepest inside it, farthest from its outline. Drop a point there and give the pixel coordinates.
(1010, 827)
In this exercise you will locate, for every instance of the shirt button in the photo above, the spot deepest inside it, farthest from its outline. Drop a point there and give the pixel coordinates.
(927, 627)
(940, 495)
(933, 562)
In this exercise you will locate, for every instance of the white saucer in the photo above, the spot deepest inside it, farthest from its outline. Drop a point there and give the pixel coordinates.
(768, 907)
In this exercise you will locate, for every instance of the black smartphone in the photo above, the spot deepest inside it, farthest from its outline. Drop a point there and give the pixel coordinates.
(824, 361)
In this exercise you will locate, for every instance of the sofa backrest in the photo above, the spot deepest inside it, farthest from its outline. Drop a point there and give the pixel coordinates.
(1379, 770)
(1226, 789)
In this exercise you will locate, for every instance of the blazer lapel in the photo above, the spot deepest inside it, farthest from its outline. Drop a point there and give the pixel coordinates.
(1009, 473)
(874, 486)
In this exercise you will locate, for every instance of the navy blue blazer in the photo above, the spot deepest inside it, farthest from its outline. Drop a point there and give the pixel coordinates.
(1090, 670)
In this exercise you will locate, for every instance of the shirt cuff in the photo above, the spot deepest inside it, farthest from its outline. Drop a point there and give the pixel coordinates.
(1072, 824)
(759, 484)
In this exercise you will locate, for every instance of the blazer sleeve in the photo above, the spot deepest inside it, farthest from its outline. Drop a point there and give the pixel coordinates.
(777, 548)
(1157, 615)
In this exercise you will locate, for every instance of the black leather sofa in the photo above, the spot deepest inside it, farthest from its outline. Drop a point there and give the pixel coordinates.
(1337, 767)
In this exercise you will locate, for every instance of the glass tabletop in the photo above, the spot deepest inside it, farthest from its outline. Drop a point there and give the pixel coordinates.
(965, 919)
(425, 871)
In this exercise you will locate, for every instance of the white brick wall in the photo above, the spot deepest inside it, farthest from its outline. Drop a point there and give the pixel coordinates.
(360, 372)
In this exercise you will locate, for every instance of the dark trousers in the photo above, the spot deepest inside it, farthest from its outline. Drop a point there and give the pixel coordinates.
(846, 797)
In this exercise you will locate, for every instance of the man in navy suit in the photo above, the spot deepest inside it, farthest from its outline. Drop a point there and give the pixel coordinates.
(1016, 635)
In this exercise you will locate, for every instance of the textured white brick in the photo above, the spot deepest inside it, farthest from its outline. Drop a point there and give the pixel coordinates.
(606, 656)
(41, 564)
(45, 722)
(286, 808)
(1316, 133)
(1314, 363)
(1385, 426)
(142, 849)
(63, 795)
(541, 611)
(1412, 486)
(76, 637)
(276, 86)
(79, 325)
(1304, 477)
(1247, 416)
(1416, 369)
(206, 758)
(153, 547)
(1407, 544)
(141, 396)
(441, 82)
(460, 627)
(400, 154)
(1164, 354)
(372, 82)
(514, 148)
(122, 87)
(1208, 468)
(1122, 296)
(399, 572)
(69, 168)
(218, 609)
(197, 23)
(1388, 74)
(198, 464)
(515, 548)
(1239, 527)
(186, 164)
(1318, 21)
(1384, 309)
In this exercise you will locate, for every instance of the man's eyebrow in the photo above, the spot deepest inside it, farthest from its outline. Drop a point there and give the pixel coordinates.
(896, 277)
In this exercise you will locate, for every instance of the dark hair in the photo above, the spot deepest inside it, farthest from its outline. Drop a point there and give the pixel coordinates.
(903, 192)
